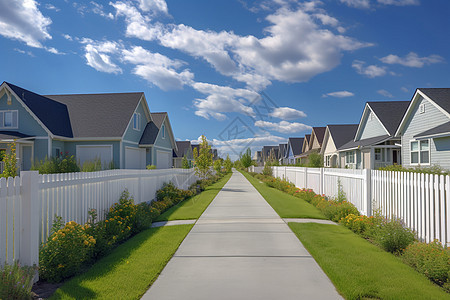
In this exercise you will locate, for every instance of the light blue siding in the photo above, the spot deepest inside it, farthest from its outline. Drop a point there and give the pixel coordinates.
(134, 135)
(27, 124)
(420, 122)
(58, 145)
(371, 127)
(40, 149)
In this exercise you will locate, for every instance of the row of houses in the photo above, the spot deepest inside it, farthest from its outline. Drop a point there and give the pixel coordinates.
(117, 128)
(409, 133)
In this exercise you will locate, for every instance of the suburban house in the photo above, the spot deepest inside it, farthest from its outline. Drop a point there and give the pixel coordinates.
(269, 153)
(294, 149)
(335, 137)
(184, 149)
(314, 143)
(375, 144)
(425, 129)
(282, 153)
(116, 128)
(305, 145)
(257, 158)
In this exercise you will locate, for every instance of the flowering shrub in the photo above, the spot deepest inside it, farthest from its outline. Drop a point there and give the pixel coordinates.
(16, 281)
(65, 251)
(357, 223)
(306, 194)
(432, 260)
(391, 234)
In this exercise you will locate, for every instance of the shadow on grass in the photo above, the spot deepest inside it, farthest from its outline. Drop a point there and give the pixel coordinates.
(105, 265)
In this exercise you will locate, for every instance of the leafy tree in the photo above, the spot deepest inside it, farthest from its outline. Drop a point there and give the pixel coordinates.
(228, 164)
(315, 160)
(203, 158)
(218, 166)
(246, 158)
(185, 163)
(10, 161)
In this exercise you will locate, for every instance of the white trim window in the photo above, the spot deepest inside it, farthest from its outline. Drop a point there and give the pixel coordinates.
(420, 152)
(380, 154)
(350, 157)
(136, 121)
(327, 160)
(163, 129)
(9, 119)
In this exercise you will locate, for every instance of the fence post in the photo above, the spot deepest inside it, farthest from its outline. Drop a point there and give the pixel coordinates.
(29, 238)
(321, 182)
(306, 178)
(368, 191)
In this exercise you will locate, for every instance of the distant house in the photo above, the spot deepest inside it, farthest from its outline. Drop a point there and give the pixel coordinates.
(305, 144)
(258, 158)
(294, 149)
(269, 153)
(184, 150)
(335, 137)
(282, 153)
(375, 144)
(425, 129)
(108, 127)
(314, 143)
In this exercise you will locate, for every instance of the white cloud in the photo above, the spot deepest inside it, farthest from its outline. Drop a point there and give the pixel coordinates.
(287, 113)
(153, 6)
(24, 52)
(399, 2)
(339, 94)
(98, 55)
(357, 3)
(222, 99)
(23, 21)
(99, 10)
(53, 50)
(412, 60)
(404, 89)
(157, 68)
(385, 93)
(370, 71)
(283, 126)
(51, 7)
(67, 37)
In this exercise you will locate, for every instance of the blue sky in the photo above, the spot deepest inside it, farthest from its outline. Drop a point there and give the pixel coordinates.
(240, 72)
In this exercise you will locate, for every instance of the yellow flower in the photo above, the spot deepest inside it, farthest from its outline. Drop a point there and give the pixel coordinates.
(54, 238)
(60, 266)
(86, 243)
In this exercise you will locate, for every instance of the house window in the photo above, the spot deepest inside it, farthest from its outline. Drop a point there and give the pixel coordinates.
(136, 121)
(58, 152)
(163, 130)
(380, 154)
(349, 157)
(327, 160)
(9, 119)
(420, 152)
(422, 108)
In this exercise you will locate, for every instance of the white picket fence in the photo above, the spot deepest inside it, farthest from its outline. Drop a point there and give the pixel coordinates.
(29, 203)
(422, 201)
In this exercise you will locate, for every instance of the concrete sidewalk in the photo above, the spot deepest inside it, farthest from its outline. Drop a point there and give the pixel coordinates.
(241, 249)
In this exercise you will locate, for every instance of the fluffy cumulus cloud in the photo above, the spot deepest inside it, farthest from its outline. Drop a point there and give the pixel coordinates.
(357, 3)
(22, 20)
(339, 94)
(222, 99)
(155, 6)
(370, 71)
(98, 55)
(157, 68)
(99, 10)
(412, 60)
(283, 126)
(287, 113)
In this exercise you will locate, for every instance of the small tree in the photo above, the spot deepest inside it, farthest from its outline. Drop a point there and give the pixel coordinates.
(203, 159)
(228, 164)
(246, 158)
(218, 166)
(10, 161)
(315, 160)
(185, 163)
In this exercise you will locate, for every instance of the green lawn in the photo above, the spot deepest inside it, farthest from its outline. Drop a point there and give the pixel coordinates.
(360, 270)
(130, 269)
(285, 205)
(195, 206)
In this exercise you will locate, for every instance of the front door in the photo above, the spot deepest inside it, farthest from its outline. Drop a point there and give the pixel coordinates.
(396, 157)
(25, 159)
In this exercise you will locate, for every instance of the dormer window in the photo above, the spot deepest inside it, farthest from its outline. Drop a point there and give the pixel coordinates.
(163, 131)
(9, 119)
(136, 121)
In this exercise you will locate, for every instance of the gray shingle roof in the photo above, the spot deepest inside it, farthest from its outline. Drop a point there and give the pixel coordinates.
(441, 96)
(149, 135)
(52, 114)
(283, 148)
(99, 115)
(390, 113)
(342, 134)
(296, 145)
(441, 129)
(319, 133)
(183, 147)
(158, 118)
(363, 143)
(12, 135)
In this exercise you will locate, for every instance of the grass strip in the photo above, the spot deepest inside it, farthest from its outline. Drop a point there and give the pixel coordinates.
(360, 270)
(286, 206)
(194, 207)
(129, 270)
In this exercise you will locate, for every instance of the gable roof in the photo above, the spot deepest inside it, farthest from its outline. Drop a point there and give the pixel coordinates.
(52, 114)
(183, 148)
(149, 135)
(390, 113)
(319, 133)
(282, 148)
(438, 131)
(296, 145)
(438, 96)
(363, 143)
(99, 115)
(153, 127)
(158, 118)
(305, 144)
(342, 134)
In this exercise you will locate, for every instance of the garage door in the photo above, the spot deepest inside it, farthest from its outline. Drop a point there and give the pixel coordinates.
(90, 153)
(134, 158)
(163, 159)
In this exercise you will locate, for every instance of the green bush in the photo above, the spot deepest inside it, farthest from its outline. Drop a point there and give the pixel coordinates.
(92, 165)
(315, 160)
(432, 260)
(435, 169)
(267, 170)
(67, 248)
(16, 281)
(66, 164)
(392, 235)
(151, 167)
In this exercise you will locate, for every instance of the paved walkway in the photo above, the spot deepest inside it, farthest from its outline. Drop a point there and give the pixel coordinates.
(241, 249)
